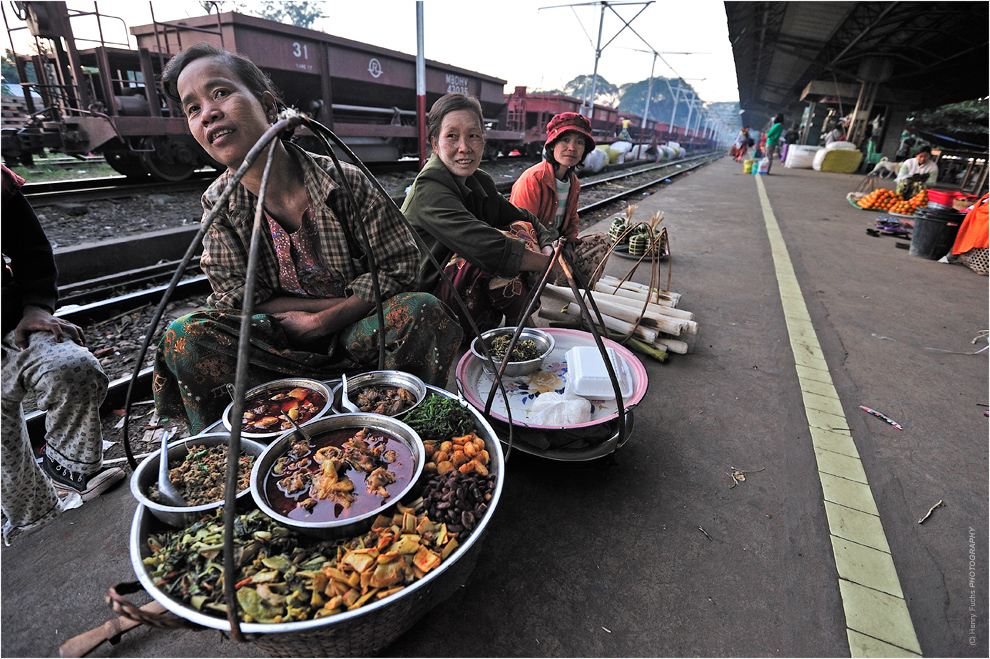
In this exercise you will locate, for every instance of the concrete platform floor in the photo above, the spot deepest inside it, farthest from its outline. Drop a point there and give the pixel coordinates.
(803, 318)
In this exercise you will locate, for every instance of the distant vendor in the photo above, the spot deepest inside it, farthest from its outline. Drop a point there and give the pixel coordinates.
(916, 174)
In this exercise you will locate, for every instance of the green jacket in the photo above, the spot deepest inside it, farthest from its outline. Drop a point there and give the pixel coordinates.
(465, 219)
(773, 135)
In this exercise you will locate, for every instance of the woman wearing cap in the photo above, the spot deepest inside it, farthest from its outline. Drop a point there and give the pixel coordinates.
(550, 189)
(486, 246)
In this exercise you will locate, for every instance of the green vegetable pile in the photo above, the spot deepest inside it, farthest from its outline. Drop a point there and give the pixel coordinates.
(439, 418)
(523, 351)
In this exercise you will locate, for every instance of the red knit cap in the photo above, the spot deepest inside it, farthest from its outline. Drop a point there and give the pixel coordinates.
(567, 121)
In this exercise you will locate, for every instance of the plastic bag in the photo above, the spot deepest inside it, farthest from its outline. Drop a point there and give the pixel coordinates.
(563, 410)
(764, 166)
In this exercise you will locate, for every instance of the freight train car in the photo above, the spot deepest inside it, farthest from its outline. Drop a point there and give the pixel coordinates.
(530, 112)
(96, 99)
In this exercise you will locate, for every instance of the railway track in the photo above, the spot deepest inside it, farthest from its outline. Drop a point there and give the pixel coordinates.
(100, 300)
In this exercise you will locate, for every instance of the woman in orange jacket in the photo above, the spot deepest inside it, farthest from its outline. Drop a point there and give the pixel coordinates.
(550, 190)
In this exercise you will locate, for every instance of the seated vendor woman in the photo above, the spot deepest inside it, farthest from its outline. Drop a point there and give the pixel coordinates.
(314, 296)
(492, 251)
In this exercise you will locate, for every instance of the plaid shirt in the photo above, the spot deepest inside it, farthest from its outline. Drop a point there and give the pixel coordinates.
(226, 244)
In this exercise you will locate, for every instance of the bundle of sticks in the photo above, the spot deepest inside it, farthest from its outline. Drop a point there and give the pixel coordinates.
(657, 326)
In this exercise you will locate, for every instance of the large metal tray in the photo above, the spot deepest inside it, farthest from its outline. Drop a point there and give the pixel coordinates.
(474, 382)
(361, 632)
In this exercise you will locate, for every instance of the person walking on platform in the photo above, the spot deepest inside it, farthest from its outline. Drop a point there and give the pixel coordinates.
(773, 137)
(46, 355)
(741, 144)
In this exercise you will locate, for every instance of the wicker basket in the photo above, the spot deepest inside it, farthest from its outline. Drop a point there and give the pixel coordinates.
(361, 632)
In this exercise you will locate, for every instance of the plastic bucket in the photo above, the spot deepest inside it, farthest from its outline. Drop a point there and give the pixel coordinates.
(932, 238)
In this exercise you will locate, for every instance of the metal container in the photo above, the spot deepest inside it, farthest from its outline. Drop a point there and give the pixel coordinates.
(266, 437)
(363, 631)
(352, 526)
(402, 379)
(146, 476)
(543, 340)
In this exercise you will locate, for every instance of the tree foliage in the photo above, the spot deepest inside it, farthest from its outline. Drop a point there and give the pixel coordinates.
(296, 12)
(300, 13)
(962, 117)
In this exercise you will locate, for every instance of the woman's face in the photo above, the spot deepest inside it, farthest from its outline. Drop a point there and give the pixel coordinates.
(460, 143)
(224, 116)
(568, 150)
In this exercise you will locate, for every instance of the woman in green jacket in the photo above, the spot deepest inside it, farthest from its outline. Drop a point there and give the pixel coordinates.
(773, 139)
(491, 250)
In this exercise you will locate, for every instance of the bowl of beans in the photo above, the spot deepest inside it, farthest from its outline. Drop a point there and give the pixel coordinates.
(268, 407)
(527, 356)
(198, 471)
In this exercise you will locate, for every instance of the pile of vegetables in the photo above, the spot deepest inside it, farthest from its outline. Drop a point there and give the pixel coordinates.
(439, 418)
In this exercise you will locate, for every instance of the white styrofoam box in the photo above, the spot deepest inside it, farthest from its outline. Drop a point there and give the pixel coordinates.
(587, 376)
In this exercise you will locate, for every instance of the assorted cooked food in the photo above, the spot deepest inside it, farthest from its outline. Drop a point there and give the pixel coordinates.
(286, 577)
(201, 477)
(270, 410)
(340, 474)
(524, 350)
(384, 399)
(283, 576)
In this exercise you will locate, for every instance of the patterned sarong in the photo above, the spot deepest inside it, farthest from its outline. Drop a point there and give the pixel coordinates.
(197, 356)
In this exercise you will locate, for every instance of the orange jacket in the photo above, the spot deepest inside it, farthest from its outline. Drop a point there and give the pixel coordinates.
(975, 230)
(536, 191)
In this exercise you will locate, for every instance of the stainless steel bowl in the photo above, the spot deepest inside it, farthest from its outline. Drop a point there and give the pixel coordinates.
(407, 381)
(146, 476)
(272, 386)
(353, 526)
(543, 340)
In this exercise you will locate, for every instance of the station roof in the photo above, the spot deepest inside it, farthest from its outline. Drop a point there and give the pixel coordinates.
(924, 54)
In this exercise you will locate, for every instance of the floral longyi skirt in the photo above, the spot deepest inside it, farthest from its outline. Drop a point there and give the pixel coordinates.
(197, 356)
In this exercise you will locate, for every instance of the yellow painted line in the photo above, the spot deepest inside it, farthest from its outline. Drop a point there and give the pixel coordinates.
(877, 620)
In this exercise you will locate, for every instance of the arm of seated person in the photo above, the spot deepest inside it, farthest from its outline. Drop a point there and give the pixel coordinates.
(38, 319)
(306, 319)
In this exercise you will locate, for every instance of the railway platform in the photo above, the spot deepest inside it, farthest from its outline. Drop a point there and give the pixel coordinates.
(803, 318)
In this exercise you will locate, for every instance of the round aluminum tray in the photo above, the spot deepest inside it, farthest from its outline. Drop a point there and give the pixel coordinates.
(353, 633)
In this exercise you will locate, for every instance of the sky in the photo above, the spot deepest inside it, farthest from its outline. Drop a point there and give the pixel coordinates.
(541, 44)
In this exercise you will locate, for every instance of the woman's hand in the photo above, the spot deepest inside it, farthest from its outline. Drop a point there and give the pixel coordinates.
(36, 319)
(301, 326)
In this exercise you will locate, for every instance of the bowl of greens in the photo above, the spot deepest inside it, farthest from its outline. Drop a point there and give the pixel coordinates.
(531, 348)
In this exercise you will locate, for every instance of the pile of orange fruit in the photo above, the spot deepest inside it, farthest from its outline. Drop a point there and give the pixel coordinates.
(882, 199)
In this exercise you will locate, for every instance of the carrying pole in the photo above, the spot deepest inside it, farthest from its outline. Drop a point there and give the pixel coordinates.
(420, 85)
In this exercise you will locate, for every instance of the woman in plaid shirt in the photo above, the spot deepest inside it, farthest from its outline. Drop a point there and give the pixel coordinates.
(313, 294)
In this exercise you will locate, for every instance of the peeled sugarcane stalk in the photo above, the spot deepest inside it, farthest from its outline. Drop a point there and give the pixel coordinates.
(652, 320)
(633, 344)
(645, 333)
(636, 301)
(635, 286)
(672, 345)
(636, 294)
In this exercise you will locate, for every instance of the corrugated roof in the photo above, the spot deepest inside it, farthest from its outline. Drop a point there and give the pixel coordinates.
(938, 50)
